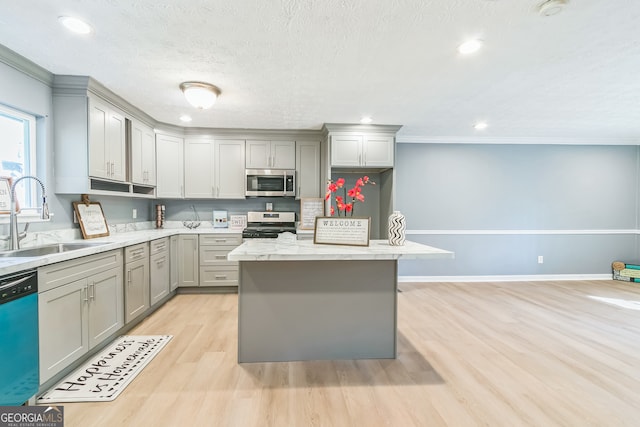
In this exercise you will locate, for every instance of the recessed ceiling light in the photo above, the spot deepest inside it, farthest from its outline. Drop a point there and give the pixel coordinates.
(470, 46)
(75, 25)
(185, 118)
(366, 120)
(480, 126)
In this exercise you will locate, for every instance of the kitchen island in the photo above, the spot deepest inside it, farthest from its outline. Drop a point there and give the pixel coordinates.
(302, 301)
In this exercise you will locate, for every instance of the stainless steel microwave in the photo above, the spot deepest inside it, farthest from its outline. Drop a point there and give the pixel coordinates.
(270, 183)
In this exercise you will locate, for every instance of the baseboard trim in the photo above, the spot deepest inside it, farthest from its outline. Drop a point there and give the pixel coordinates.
(505, 278)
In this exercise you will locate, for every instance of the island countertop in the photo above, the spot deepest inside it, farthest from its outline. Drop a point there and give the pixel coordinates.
(306, 250)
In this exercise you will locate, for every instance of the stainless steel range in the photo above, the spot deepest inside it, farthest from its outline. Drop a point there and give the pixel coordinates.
(264, 225)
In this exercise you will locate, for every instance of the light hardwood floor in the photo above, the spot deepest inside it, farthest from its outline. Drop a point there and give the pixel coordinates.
(470, 354)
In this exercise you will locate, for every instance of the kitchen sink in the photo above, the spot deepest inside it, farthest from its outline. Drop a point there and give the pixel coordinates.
(54, 248)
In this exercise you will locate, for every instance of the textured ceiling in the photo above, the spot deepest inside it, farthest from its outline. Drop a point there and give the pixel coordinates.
(287, 64)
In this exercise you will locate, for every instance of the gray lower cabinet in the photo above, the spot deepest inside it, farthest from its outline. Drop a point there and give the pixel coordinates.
(159, 270)
(136, 288)
(188, 260)
(173, 263)
(215, 269)
(79, 306)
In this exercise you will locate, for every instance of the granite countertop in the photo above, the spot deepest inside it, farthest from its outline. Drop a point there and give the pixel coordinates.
(102, 244)
(306, 250)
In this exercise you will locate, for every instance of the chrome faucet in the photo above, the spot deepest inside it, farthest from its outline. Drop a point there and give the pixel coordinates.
(14, 236)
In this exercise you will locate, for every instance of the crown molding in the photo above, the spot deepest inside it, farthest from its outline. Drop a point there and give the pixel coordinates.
(66, 85)
(359, 128)
(22, 64)
(533, 140)
(296, 134)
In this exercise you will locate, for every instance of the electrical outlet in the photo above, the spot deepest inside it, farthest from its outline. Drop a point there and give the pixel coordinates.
(135, 213)
(540, 259)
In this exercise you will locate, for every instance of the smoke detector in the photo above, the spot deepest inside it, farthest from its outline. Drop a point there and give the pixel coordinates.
(551, 7)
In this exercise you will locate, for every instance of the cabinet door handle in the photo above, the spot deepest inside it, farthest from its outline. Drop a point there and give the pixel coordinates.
(108, 168)
(113, 168)
(86, 294)
(221, 257)
(220, 277)
(92, 286)
(128, 277)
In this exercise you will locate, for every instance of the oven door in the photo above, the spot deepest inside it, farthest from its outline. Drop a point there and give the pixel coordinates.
(270, 183)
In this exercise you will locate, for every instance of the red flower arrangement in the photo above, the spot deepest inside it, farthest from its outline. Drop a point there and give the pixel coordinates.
(354, 193)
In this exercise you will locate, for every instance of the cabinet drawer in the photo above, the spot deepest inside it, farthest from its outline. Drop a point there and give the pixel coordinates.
(54, 275)
(221, 239)
(216, 255)
(218, 277)
(159, 245)
(136, 252)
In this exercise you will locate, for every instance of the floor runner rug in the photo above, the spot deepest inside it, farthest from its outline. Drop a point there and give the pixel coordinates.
(105, 376)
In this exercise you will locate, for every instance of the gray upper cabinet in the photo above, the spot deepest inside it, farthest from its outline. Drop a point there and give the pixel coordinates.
(214, 169)
(271, 154)
(362, 150)
(199, 169)
(92, 152)
(107, 141)
(169, 166)
(229, 161)
(143, 154)
(308, 169)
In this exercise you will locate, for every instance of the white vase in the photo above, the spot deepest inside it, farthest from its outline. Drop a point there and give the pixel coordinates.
(397, 227)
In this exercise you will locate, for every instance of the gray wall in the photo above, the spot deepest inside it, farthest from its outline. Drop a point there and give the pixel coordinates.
(500, 206)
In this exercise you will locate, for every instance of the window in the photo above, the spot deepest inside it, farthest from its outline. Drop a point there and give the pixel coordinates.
(18, 152)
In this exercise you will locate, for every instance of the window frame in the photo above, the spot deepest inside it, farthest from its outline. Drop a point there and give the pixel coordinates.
(30, 159)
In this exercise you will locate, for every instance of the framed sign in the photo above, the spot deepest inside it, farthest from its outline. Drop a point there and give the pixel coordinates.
(310, 208)
(238, 222)
(5, 195)
(91, 219)
(332, 230)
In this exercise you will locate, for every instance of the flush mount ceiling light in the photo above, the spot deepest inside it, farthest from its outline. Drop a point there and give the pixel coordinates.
(199, 94)
(75, 25)
(480, 126)
(366, 120)
(184, 118)
(470, 46)
(551, 7)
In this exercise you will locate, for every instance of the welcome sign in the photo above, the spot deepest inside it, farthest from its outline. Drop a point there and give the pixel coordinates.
(352, 231)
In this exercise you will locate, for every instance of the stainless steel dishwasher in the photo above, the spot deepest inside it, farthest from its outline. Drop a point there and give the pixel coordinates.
(19, 370)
